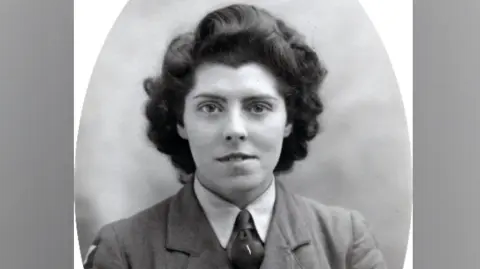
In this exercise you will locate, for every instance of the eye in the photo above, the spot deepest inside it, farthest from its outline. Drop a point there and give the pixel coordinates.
(209, 108)
(259, 108)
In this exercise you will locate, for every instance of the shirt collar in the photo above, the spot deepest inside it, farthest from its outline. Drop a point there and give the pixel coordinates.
(222, 214)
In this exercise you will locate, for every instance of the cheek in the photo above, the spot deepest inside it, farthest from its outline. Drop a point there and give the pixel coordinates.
(270, 134)
(201, 145)
(270, 138)
(200, 134)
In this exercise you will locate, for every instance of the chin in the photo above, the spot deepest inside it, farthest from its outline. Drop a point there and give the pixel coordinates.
(246, 182)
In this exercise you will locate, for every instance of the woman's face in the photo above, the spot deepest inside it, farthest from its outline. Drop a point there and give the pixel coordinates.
(235, 123)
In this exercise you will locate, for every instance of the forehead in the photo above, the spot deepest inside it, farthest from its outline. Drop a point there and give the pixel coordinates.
(246, 79)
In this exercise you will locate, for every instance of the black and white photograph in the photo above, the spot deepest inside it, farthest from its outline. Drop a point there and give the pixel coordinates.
(243, 134)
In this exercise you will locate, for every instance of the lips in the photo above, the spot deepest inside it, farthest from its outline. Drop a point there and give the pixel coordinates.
(235, 157)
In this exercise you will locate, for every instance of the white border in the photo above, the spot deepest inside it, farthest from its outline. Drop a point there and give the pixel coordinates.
(393, 20)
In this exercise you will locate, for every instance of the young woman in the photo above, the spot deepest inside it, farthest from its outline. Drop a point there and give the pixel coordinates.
(234, 105)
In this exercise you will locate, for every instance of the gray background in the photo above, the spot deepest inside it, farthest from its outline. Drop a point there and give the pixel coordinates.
(36, 100)
(36, 134)
(360, 160)
(446, 128)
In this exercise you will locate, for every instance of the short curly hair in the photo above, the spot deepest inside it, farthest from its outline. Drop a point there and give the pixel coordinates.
(235, 35)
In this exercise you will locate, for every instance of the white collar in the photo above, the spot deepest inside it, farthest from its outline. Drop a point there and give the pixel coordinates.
(222, 214)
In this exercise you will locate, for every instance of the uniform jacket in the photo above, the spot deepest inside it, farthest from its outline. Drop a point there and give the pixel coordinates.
(176, 234)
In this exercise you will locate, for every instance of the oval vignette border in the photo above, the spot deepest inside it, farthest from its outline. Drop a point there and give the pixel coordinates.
(392, 20)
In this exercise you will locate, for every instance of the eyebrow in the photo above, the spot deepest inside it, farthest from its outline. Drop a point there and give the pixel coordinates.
(210, 96)
(250, 98)
(261, 97)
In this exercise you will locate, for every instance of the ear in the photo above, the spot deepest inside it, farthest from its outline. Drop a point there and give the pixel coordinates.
(182, 132)
(288, 130)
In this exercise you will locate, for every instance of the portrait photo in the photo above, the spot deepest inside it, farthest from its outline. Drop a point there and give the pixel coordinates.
(243, 134)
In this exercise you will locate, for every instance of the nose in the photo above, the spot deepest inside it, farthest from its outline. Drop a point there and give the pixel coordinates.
(235, 129)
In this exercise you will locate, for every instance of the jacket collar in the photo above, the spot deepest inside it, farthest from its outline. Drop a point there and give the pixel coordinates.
(189, 231)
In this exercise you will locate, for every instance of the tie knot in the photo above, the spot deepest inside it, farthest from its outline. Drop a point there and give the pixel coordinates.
(244, 220)
(245, 249)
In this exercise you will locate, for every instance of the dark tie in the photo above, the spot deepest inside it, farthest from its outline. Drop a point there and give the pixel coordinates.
(245, 249)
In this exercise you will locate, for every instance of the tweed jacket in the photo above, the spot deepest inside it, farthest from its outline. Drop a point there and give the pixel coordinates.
(176, 234)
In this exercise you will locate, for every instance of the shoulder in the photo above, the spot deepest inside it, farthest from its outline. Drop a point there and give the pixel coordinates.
(346, 231)
(145, 221)
(128, 235)
(335, 217)
(311, 210)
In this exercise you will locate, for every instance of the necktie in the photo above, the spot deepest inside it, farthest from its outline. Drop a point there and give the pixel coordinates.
(245, 249)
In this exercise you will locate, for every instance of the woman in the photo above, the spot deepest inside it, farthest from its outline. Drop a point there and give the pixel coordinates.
(234, 105)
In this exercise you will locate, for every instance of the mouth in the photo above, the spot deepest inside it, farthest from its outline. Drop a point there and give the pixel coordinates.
(236, 157)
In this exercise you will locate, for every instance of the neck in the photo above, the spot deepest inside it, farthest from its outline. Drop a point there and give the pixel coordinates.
(242, 198)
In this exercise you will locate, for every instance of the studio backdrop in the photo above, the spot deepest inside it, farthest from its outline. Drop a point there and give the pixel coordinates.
(359, 160)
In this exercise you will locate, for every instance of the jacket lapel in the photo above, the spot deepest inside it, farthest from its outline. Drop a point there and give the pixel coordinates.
(289, 243)
(190, 235)
(194, 244)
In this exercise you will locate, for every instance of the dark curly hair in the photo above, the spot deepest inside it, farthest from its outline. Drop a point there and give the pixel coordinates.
(235, 35)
